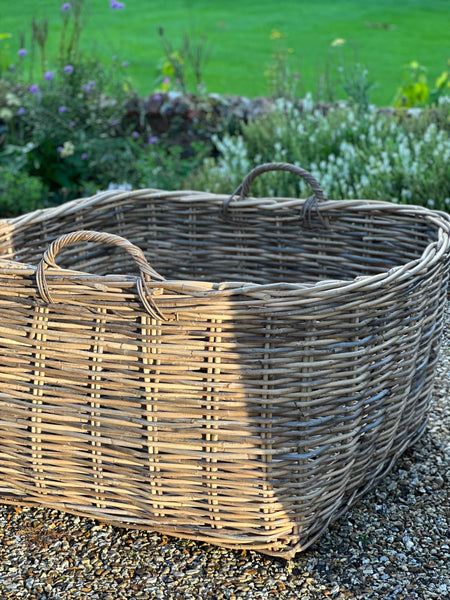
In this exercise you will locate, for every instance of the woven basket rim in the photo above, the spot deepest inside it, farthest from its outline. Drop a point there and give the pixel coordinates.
(433, 252)
(187, 196)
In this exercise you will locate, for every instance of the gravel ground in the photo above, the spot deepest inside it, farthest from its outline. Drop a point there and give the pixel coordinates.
(393, 544)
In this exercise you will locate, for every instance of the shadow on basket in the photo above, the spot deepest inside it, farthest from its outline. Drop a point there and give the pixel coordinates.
(246, 397)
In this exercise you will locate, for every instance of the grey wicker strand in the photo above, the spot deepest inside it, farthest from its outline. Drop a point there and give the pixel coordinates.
(244, 188)
(146, 271)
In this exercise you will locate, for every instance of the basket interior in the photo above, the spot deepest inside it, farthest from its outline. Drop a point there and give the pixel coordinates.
(191, 241)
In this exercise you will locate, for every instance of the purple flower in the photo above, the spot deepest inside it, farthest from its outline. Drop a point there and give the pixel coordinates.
(153, 139)
(62, 109)
(59, 149)
(88, 86)
(125, 64)
(66, 6)
(72, 124)
(166, 80)
(22, 52)
(119, 5)
(21, 111)
(157, 97)
(135, 134)
(113, 122)
(296, 76)
(48, 76)
(84, 156)
(68, 69)
(34, 89)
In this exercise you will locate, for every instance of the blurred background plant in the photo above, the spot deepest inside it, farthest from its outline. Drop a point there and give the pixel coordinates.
(71, 125)
(383, 155)
(68, 129)
(64, 125)
(19, 192)
(182, 69)
(5, 52)
(69, 40)
(345, 77)
(415, 90)
(283, 72)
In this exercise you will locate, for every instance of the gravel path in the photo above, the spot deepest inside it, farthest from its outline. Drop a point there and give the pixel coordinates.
(394, 544)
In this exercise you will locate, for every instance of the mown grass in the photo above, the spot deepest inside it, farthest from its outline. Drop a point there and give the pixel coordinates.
(384, 35)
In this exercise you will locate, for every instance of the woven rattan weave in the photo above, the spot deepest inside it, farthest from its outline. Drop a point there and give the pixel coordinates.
(270, 376)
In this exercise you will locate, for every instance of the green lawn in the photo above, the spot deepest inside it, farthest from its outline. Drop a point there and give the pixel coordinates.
(239, 31)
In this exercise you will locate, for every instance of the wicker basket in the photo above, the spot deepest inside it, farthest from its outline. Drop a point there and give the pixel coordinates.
(248, 397)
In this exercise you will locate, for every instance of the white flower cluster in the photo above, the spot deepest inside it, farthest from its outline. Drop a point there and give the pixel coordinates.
(394, 154)
(119, 186)
(374, 155)
(232, 165)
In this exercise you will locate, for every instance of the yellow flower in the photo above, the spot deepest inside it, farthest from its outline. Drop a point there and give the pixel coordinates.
(177, 56)
(414, 64)
(421, 91)
(338, 42)
(275, 34)
(167, 69)
(441, 80)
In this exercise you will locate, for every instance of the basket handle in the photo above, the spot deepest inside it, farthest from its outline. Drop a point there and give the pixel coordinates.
(146, 271)
(244, 188)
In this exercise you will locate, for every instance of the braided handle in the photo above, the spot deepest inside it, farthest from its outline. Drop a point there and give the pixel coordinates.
(244, 187)
(146, 271)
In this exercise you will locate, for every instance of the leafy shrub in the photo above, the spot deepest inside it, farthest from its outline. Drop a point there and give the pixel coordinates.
(72, 128)
(416, 91)
(223, 175)
(167, 166)
(66, 124)
(379, 155)
(19, 192)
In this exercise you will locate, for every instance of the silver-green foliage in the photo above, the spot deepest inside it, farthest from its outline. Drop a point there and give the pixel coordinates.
(402, 158)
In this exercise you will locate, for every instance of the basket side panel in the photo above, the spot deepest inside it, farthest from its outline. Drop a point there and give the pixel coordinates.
(108, 413)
